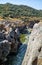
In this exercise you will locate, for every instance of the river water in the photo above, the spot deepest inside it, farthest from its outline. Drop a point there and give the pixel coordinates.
(17, 59)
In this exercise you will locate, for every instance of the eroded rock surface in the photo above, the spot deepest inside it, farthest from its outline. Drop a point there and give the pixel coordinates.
(5, 48)
(9, 40)
(33, 54)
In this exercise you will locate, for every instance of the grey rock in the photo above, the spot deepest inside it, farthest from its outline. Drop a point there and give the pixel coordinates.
(5, 48)
(9, 40)
(34, 45)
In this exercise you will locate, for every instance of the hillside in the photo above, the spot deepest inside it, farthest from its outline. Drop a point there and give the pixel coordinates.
(10, 10)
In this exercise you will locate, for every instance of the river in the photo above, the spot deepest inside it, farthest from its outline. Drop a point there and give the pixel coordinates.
(17, 59)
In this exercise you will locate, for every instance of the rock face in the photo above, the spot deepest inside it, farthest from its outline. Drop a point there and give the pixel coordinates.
(31, 23)
(15, 41)
(9, 41)
(5, 48)
(23, 29)
(33, 54)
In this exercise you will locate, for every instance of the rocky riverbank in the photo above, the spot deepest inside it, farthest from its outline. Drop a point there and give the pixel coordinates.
(17, 59)
(10, 39)
(10, 44)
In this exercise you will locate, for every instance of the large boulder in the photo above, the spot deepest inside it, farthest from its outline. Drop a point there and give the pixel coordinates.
(33, 54)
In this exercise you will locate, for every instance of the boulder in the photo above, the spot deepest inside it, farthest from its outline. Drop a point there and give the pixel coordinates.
(33, 54)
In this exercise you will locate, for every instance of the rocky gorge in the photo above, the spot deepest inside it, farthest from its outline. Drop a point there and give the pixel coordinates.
(13, 51)
(9, 41)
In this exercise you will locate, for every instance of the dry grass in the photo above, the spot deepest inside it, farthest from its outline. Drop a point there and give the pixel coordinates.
(1, 18)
